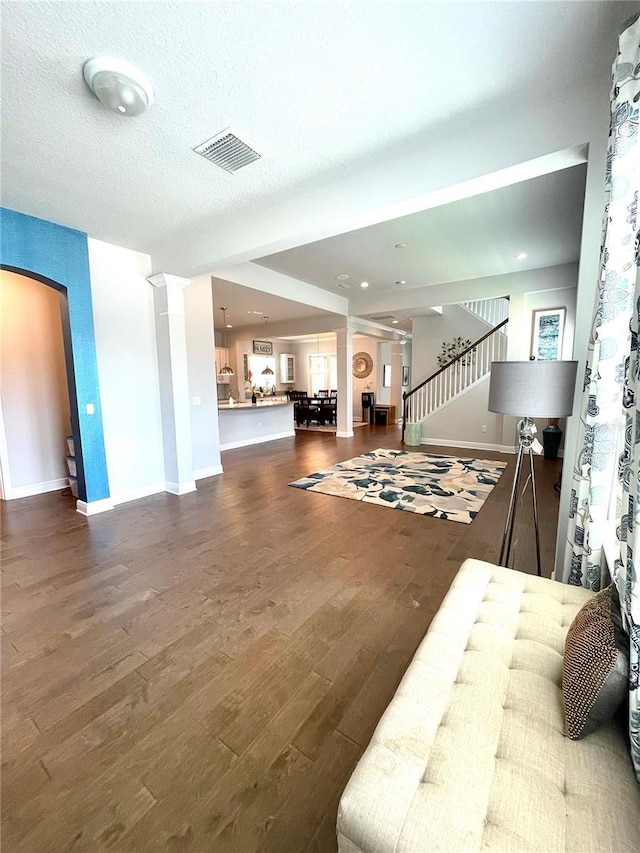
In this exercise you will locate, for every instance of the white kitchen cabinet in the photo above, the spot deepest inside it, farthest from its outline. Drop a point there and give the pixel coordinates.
(287, 368)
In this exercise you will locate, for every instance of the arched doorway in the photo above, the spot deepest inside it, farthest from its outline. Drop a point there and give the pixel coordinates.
(58, 257)
(35, 397)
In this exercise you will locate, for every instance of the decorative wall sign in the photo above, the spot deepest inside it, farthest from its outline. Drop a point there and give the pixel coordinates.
(362, 365)
(263, 348)
(547, 334)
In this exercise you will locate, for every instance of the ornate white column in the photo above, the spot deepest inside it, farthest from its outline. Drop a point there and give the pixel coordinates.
(174, 381)
(395, 397)
(344, 352)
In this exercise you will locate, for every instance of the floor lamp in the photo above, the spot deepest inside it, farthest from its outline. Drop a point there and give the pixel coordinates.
(541, 389)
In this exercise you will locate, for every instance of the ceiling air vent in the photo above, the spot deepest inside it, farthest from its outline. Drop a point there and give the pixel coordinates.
(228, 151)
(343, 285)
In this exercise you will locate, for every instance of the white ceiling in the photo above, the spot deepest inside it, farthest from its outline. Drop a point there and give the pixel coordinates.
(473, 238)
(247, 307)
(320, 89)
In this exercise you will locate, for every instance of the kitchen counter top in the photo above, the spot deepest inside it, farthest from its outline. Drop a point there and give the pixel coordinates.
(224, 406)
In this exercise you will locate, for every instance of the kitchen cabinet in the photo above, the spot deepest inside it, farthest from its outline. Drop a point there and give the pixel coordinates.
(287, 368)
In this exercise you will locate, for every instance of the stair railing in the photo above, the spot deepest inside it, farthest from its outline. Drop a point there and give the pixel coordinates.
(467, 368)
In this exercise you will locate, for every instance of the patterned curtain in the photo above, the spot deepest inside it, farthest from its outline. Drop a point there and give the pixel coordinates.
(612, 379)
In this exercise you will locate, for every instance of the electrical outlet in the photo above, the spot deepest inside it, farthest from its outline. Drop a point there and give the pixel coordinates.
(483, 428)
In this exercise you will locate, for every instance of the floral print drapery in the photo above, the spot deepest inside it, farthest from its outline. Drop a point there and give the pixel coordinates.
(612, 378)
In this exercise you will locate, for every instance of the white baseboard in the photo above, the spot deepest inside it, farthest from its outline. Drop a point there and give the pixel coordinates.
(94, 507)
(36, 489)
(203, 473)
(136, 494)
(344, 434)
(180, 488)
(475, 445)
(247, 442)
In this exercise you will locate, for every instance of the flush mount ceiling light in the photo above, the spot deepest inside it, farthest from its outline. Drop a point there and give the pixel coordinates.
(400, 281)
(342, 277)
(521, 256)
(118, 85)
(364, 284)
(401, 246)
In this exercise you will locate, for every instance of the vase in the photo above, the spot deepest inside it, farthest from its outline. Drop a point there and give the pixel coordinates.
(551, 438)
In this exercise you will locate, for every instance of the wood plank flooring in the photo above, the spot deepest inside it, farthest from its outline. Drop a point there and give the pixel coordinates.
(202, 673)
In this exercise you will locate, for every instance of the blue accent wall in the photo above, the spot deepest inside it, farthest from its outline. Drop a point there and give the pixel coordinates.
(59, 257)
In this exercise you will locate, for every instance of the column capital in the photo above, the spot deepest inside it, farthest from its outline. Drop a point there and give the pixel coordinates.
(163, 279)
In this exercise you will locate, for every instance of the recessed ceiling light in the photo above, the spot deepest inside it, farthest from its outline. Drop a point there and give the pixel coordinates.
(259, 313)
(401, 245)
(395, 322)
(364, 284)
(521, 256)
(400, 281)
(229, 326)
(342, 277)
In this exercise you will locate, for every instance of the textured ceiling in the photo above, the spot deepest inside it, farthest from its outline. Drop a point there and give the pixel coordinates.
(321, 90)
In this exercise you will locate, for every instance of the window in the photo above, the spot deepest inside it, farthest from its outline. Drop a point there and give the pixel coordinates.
(257, 364)
(323, 372)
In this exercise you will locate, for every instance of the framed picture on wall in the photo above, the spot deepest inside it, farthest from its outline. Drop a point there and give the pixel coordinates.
(405, 375)
(547, 334)
(386, 376)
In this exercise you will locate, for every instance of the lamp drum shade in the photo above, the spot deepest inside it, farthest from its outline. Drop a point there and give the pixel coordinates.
(533, 389)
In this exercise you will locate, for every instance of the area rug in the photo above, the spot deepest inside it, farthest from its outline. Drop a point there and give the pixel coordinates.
(324, 427)
(438, 486)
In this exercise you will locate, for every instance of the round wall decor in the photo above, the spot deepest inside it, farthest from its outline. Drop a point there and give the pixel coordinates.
(362, 365)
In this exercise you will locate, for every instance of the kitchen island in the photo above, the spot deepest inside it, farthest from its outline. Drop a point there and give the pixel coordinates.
(247, 423)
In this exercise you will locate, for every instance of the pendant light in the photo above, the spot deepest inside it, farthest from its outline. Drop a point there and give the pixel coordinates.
(226, 370)
(267, 371)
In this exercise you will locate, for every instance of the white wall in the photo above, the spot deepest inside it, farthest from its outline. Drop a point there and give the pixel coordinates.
(205, 441)
(363, 343)
(463, 418)
(430, 332)
(35, 397)
(127, 369)
(461, 422)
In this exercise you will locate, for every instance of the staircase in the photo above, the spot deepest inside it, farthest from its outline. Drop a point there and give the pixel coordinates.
(466, 370)
(492, 311)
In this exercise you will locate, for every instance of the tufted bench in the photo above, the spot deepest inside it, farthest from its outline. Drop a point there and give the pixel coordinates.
(470, 754)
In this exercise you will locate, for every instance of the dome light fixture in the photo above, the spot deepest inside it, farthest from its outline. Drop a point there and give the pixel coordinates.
(118, 85)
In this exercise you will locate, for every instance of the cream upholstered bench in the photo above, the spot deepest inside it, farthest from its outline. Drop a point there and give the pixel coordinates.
(470, 754)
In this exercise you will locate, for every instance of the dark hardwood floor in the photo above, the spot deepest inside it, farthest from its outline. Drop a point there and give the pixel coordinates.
(202, 673)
